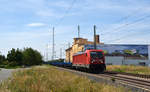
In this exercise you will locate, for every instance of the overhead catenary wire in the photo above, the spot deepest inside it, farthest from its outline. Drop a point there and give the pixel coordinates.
(120, 38)
(129, 15)
(123, 19)
(66, 12)
(58, 23)
(136, 21)
(128, 24)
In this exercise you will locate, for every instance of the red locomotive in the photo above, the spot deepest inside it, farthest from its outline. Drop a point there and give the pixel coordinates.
(92, 60)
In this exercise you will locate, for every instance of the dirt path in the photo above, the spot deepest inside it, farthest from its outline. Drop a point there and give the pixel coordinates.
(5, 73)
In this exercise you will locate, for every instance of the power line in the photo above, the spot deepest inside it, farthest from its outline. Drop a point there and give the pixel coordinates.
(125, 36)
(67, 11)
(129, 15)
(125, 18)
(138, 20)
(61, 19)
(127, 24)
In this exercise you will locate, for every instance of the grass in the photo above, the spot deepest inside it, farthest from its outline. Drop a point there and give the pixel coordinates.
(50, 79)
(9, 67)
(129, 69)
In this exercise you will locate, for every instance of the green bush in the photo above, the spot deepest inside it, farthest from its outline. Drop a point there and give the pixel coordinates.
(2, 59)
(2, 66)
(31, 57)
(17, 57)
(57, 60)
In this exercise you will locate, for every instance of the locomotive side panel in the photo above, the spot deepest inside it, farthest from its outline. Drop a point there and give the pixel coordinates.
(80, 60)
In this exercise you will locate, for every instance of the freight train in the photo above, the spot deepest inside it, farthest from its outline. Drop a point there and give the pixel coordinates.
(90, 60)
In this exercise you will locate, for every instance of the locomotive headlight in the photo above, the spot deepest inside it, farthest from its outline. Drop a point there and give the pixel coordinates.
(93, 61)
(100, 61)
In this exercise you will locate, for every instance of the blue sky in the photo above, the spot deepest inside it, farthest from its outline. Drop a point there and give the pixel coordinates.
(28, 23)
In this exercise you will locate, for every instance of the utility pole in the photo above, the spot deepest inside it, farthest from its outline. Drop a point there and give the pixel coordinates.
(53, 45)
(69, 50)
(47, 52)
(60, 53)
(78, 31)
(95, 37)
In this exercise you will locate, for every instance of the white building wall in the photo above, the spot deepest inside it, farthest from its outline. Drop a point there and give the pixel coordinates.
(119, 60)
(149, 52)
(114, 60)
(135, 61)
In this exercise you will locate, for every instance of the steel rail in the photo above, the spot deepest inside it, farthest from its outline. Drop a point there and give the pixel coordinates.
(130, 74)
(116, 78)
(139, 83)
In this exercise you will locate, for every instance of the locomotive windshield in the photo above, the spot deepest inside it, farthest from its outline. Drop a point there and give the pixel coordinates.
(96, 54)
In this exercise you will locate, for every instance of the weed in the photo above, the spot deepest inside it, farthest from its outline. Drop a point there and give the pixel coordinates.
(129, 69)
(50, 79)
(113, 79)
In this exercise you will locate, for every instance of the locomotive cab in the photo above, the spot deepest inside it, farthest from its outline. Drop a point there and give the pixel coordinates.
(97, 57)
(97, 61)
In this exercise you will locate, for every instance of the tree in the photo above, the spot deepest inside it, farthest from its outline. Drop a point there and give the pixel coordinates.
(31, 57)
(2, 59)
(19, 57)
(15, 57)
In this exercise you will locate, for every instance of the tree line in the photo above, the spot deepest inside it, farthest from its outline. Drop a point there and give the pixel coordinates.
(18, 57)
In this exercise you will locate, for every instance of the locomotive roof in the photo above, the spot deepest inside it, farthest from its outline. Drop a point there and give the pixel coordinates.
(94, 50)
(78, 53)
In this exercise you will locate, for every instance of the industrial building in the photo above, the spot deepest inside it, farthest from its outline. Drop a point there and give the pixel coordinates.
(78, 46)
(115, 54)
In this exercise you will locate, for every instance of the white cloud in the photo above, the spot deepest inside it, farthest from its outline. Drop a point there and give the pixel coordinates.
(36, 24)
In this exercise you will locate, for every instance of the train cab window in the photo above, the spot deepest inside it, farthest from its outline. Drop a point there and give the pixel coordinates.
(96, 54)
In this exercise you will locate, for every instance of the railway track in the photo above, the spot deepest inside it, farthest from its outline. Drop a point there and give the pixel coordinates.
(140, 83)
(131, 74)
(123, 79)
